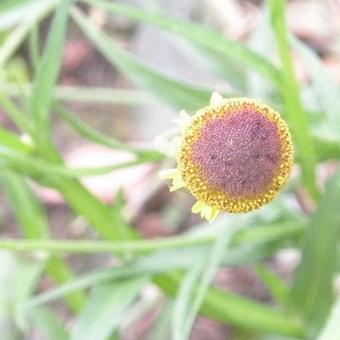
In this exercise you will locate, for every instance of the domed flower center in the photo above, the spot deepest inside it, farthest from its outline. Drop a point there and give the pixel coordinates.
(239, 153)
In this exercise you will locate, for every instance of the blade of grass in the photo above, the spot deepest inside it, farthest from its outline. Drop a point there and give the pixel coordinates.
(18, 35)
(295, 114)
(262, 41)
(96, 278)
(331, 329)
(29, 165)
(277, 288)
(172, 91)
(21, 121)
(222, 306)
(48, 324)
(34, 46)
(87, 94)
(197, 34)
(325, 88)
(13, 12)
(105, 309)
(236, 310)
(12, 141)
(18, 280)
(26, 207)
(187, 305)
(87, 132)
(312, 293)
(183, 300)
(48, 70)
(34, 225)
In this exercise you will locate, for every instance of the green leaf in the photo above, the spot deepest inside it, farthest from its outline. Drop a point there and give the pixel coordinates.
(15, 114)
(88, 280)
(196, 284)
(13, 12)
(261, 41)
(48, 324)
(161, 327)
(34, 46)
(312, 294)
(331, 329)
(18, 279)
(48, 70)
(199, 35)
(34, 225)
(277, 288)
(86, 94)
(295, 115)
(235, 310)
(172, 91)
(33, 166)
(224, 66)
(25, 205)
(11, 141)
(328, 147)
(17, 35)
(325, 89)
(105, 309)
(183, 302)
(87, 132)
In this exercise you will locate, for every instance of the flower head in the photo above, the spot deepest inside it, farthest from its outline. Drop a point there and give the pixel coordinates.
(233, 156)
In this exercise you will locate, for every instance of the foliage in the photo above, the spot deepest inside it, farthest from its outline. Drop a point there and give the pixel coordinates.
(181, 266)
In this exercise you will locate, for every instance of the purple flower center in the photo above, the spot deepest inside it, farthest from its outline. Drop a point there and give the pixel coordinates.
(239, 153)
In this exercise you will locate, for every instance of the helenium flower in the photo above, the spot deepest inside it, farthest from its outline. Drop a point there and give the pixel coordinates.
(233, 155)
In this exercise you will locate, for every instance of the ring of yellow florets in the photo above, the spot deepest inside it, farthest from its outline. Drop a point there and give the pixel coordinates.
(220, 199)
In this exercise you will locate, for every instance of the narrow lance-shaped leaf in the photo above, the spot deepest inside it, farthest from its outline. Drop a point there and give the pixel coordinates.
(236, 310)
(192, 291)
(48, 70)
(172, 91)
(200, 35)
(105, 309)
(18, 35)
(13, 12)
(331, 329)
(295, 114)
(312, 293)
(34, 224)
(276, 286)
(325, 88)
(47, 323)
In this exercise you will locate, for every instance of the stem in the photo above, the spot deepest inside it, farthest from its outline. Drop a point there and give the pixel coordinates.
(95, 247)
(87, 94)
(255, 234)
(295, 114)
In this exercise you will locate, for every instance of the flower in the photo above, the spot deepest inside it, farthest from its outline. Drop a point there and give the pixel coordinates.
(233, 156)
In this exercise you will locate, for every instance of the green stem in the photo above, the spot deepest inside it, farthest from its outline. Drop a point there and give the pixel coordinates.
(255, 234)
(295, 114)
(87, 94)
(35, 167)
(95, 247)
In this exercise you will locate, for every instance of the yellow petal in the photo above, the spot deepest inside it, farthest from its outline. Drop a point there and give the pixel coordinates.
(177, 184)
(205, 211)
(197, 207)
(169, 174)
(213, 214)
